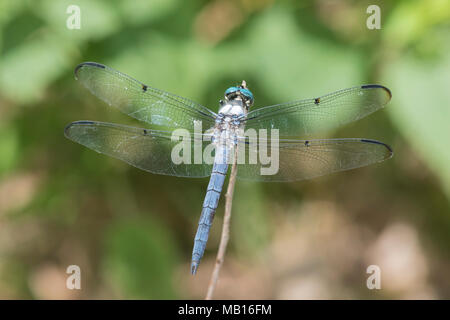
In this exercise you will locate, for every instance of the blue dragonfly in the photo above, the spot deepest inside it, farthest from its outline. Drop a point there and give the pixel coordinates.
(150, 148)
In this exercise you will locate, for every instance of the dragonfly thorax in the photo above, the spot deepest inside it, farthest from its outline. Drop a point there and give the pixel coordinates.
(233, 107)
(229, 122)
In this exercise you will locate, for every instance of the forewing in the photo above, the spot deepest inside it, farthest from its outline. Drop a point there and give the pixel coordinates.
(153, 106)
(305, 117)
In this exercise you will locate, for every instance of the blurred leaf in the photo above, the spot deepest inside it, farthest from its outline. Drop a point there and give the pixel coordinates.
(411, 20)
(9, 9)
(144, 11)
(98, 18)
(9, 149)
(26, 71)
(421, 97)
(139, 259)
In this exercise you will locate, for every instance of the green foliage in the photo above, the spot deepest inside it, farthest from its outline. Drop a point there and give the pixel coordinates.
(9, 148)
(139, 259)
(422, 111)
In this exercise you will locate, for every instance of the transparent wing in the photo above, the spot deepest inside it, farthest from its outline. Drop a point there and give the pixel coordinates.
(149, 150)
(305, 159)
(140, 101)
(309, 116)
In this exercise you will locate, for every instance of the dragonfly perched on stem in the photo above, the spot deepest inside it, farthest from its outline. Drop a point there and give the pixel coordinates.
(150, 148)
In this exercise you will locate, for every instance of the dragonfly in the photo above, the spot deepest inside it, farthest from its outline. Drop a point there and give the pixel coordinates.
(150, 148)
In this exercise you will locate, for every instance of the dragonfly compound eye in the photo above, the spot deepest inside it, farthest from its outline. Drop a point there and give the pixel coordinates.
(247, 94)
(231, 92)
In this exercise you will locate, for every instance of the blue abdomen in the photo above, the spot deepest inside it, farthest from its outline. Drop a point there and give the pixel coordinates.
(212, 197)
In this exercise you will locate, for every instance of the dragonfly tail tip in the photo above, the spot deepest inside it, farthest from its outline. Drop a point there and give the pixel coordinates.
(194, 267)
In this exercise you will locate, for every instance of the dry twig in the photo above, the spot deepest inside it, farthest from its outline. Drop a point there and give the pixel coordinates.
(225, 230)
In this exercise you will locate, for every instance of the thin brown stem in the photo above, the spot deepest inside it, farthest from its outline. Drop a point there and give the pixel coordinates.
(225, 230)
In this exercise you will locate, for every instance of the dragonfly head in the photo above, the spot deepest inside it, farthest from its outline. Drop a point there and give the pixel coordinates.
(240, 92)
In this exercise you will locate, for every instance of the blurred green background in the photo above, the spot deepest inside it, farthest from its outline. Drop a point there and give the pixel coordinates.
(132, 232)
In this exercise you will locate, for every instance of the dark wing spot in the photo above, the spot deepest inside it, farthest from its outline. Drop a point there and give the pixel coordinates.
(307, 143)
(391, 152)
(144, 87)
(317, 100)
(75, 123)
(145, 131)
(92, 64)
(83, 122)
(373, 86)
